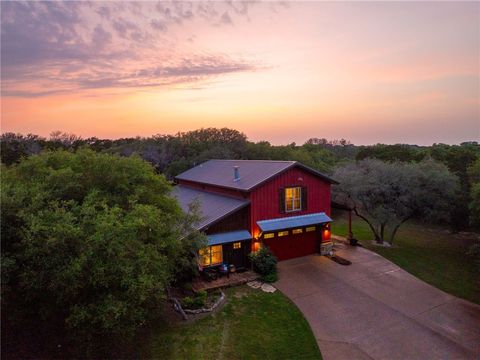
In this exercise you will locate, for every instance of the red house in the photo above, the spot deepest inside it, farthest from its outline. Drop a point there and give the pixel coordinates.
(246, 204)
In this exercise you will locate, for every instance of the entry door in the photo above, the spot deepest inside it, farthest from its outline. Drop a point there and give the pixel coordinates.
(238, 253)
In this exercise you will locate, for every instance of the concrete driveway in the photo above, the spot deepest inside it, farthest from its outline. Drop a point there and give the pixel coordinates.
(372, 309)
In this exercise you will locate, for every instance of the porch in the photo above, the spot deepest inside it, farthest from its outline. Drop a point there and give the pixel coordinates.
(234, 279)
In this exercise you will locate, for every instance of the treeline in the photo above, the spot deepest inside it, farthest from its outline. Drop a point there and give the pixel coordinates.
(172, 154)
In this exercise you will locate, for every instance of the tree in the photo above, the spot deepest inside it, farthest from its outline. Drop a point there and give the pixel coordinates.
(386, 195)
(90, 242)
(474, 175)
(397, 152)
(458, 159)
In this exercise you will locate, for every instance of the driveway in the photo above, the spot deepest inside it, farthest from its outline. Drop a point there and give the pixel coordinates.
(373, 309)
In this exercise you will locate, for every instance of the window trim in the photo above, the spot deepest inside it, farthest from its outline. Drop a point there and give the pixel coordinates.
(293, 199)
(209, 250)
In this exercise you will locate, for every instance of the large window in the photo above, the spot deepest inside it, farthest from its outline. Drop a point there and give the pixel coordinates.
(293, 199)
(211, 255)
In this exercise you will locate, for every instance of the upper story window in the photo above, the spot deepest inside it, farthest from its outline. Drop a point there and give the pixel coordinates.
(293, 199)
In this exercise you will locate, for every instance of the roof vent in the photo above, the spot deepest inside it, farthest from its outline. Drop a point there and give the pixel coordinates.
(236, 173)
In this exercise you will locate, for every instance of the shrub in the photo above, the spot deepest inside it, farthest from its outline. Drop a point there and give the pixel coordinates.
(270, 278)
(196, 302)
(264, 262)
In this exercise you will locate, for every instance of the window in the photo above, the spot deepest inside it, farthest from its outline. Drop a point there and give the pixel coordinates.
(237, 245)
(297, 231)
(293, 199)
(268, 236)
(211, 255)
(282, 233)
(311, 228)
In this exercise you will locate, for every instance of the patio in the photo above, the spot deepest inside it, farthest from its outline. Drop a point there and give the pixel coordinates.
(233, 279)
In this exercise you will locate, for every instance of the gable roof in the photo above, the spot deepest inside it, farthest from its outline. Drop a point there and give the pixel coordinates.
(213, 207)
(252, 173)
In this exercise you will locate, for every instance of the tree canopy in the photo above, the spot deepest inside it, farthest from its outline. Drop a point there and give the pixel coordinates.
(90, 242)
(386, 195)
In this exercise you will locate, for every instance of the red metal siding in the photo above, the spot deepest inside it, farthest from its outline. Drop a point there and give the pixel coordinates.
(265, 199)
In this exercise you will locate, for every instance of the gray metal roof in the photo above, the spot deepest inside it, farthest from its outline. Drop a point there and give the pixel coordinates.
(213, 207)
(228, 237)
(293, 221)
(252, 172)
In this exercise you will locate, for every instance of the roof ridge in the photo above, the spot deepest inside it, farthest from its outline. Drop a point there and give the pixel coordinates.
(203, 191)
(252, 160)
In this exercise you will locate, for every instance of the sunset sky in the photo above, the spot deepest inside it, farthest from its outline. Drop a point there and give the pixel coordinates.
(369, 72)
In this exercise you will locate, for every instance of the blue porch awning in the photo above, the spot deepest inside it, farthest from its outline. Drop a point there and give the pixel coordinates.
(223, 238)
(293, 221)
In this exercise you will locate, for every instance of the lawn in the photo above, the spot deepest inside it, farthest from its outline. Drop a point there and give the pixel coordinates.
(429, 252)
(251, 325)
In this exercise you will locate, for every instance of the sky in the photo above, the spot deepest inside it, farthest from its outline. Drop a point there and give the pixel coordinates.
(369, 72)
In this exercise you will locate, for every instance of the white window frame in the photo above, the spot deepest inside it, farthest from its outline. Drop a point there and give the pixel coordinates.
(293, 199)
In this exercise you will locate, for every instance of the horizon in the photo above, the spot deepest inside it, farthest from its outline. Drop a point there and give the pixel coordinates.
(299, 143)
(389, 73)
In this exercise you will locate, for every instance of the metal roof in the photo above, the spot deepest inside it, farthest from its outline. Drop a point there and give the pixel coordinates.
(252, 172)
(213, 207)
(293, 221)
(223, 238)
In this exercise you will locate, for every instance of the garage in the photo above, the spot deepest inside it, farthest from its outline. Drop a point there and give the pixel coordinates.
(292, 243)
(295, 236)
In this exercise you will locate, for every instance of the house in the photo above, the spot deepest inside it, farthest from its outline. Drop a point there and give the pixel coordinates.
(246, 204)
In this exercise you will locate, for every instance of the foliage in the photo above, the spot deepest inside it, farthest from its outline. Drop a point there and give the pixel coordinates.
(89, 244)
(196, 301)
(386, 195)
(474, 252)
(270, 278)
(264, 262)
(459, 159)
(397, 152)
(474, 177)
(251, 325)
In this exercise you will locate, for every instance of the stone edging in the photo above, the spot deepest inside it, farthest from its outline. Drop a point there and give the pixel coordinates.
(178, 306)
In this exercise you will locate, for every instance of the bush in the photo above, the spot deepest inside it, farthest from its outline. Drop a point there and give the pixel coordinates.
(196, 302)
(270, 278)
(264, 262)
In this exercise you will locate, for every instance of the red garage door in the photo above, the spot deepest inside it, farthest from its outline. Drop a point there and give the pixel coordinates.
(293, 245)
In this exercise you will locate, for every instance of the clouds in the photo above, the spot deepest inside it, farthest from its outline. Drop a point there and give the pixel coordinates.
(51, 47)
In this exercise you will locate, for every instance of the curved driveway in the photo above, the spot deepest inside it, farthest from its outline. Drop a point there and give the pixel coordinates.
(373, 309)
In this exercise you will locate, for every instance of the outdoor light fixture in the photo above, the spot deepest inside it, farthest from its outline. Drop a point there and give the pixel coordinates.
(326, 232)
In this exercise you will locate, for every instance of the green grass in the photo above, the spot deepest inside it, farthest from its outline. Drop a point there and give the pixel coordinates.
(251, 325)
(429, 252)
